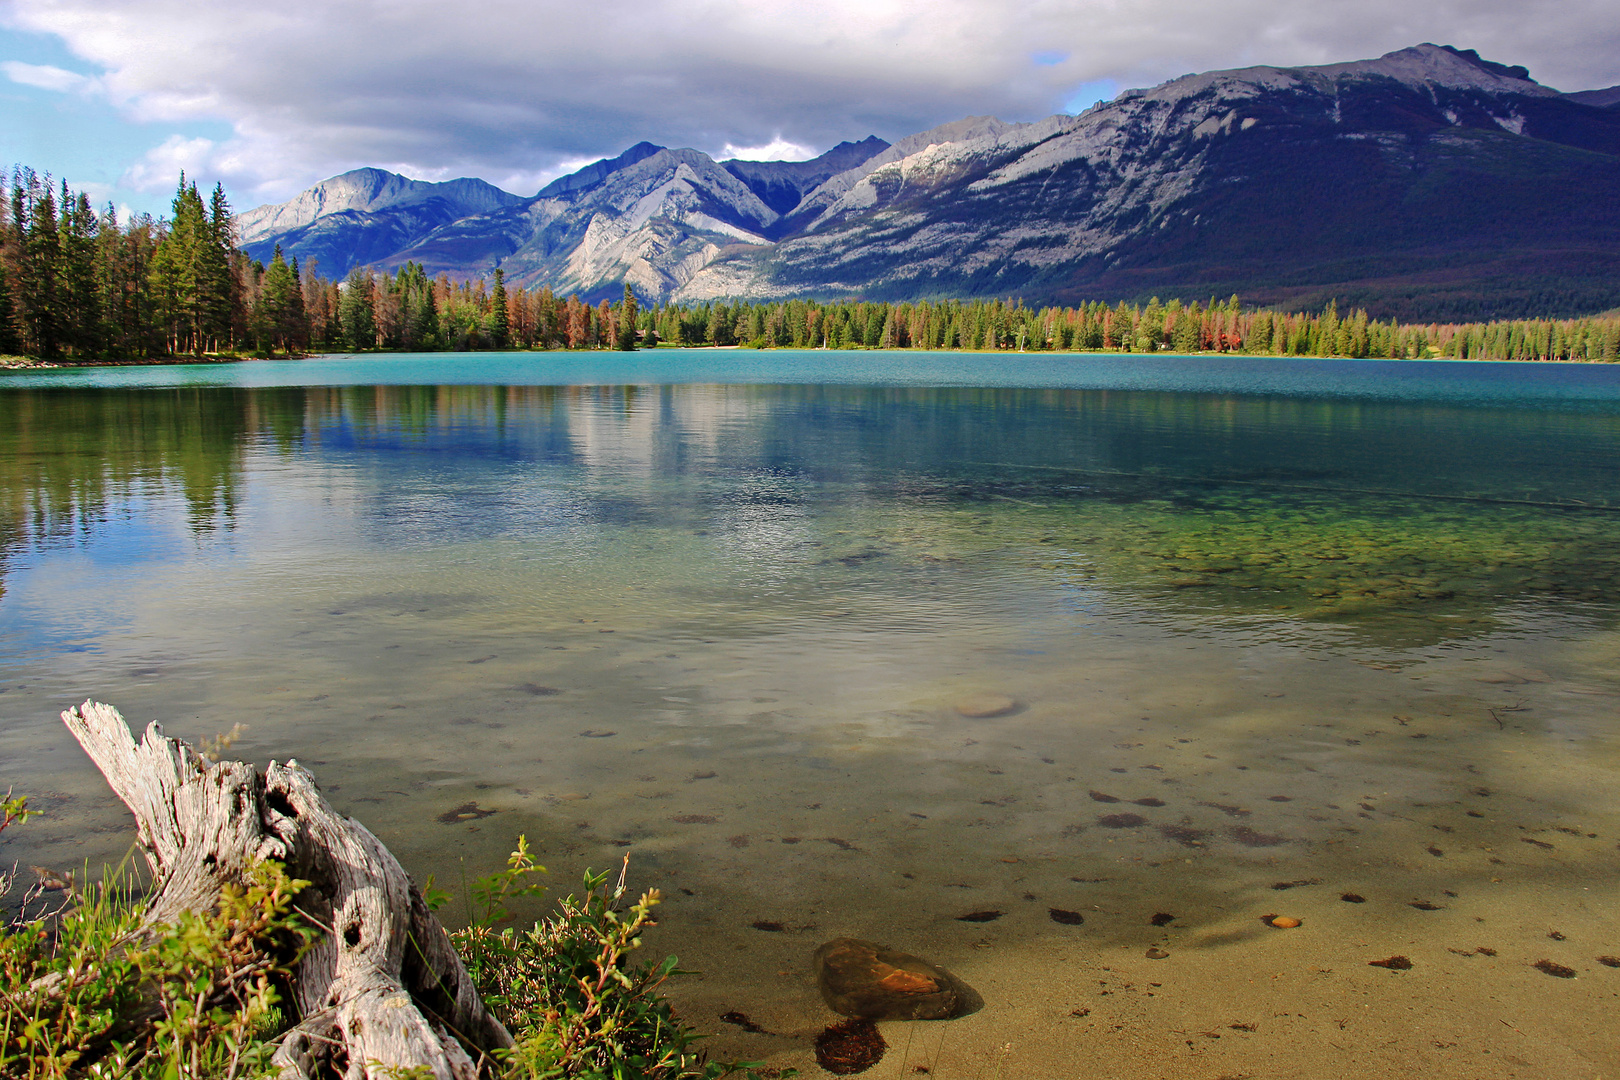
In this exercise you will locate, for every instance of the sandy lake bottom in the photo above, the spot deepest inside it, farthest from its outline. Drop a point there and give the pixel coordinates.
(732, 634)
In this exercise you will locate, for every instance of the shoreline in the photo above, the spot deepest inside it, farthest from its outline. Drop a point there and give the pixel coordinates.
(30, 363)
(26, 364)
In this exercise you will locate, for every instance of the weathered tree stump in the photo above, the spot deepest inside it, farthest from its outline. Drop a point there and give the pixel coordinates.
(384, 989)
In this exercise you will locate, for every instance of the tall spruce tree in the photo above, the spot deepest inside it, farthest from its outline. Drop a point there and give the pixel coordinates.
(82, 331)
(279, 312)
(10, 343)
(500, 324)
(628, 312)
(217, 282)
(41, 269)
(355, 315)
(174, 271)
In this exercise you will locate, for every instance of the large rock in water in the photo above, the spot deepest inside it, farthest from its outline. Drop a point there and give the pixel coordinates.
(861, 978)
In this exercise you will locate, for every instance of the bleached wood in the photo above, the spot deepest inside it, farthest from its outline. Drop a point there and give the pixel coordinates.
(385, 987)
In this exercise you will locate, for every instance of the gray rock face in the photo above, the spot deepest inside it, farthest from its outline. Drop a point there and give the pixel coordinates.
(653, 223)
(599, 171)
(861, 978)
(782, 185)
(1411, 174)
(363, 215)
(1427, 183)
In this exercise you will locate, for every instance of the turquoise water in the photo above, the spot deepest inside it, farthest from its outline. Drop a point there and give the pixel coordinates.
(1461, 382)
(1343, 624)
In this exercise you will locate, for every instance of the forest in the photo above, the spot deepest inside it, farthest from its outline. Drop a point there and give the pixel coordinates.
(78, 285)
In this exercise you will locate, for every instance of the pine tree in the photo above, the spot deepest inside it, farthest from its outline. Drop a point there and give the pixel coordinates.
(355, 316)
(279, 320)
(10, 343)
(81, 309)
(180, 271)
(41, 268)
(500, 327)
(628, 312)
(217, 285)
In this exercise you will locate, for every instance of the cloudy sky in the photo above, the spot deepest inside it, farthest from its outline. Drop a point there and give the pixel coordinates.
(119, 95)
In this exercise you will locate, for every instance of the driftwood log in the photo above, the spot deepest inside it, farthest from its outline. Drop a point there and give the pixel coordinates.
(383, 990)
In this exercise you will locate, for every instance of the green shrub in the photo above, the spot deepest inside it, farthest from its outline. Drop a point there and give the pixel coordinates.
(87, 992)
(74, 984)
(576, 1003)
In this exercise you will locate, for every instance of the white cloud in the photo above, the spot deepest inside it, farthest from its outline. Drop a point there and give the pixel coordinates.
(99, 193)
(515, 90)
(46, 77)
(160, 169)
(778, 149)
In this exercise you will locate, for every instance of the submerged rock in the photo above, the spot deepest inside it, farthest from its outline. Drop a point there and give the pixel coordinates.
(851, 1047)
(984, 706)
(861, 978)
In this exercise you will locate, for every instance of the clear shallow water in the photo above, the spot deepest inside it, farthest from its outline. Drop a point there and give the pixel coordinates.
(1256, 637)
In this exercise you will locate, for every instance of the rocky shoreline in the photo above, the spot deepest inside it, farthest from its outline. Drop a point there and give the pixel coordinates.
(31, 363)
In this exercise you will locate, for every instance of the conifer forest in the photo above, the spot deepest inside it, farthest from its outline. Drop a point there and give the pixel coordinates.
(79, 285)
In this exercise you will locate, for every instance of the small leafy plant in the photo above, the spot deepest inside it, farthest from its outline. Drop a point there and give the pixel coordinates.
(74, 982)
(568, 990)
(89, 991)
(214, 975)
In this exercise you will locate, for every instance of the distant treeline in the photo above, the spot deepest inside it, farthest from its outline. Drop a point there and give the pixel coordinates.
(79, 284)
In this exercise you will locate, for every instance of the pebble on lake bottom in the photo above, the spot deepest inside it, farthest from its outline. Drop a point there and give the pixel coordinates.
(985, 706)
(1394, 963)
(980, 916)
(465, 812)
(850, 1047)
(1122, 821)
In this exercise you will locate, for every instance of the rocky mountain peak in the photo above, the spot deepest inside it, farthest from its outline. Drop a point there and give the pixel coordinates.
(598, 171)
(1419, 67)
(366, 191)
(1429, 177)
(782, 185)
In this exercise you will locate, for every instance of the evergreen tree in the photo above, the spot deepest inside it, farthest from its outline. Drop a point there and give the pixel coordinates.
(10, 343)
(41, 269)
(500, 328)
(1150, 329)
(628, 313)
(81, 309)
(278, 315)
(217, 285)
(180, 272)
(355, 317)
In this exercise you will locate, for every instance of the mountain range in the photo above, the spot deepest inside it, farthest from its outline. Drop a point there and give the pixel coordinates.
(1426, 184)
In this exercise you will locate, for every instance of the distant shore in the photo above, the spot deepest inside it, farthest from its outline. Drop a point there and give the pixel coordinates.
(34, 363)
(29, 363)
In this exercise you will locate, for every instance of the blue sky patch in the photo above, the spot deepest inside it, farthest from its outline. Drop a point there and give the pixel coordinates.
(76, 133)
(1088, 94)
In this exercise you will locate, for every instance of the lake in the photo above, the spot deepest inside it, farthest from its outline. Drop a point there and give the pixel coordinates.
(1335, 640)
